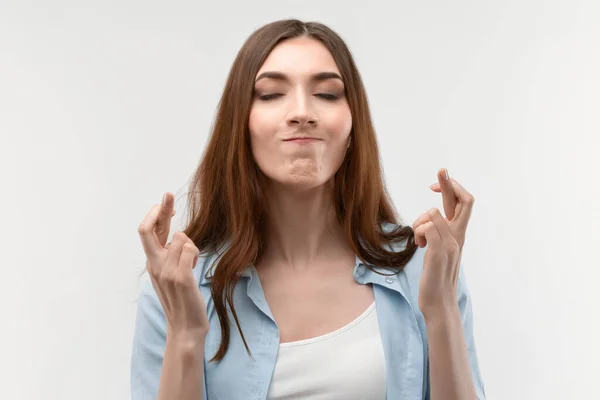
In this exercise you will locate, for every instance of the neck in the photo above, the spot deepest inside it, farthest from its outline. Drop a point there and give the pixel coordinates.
(302, 229)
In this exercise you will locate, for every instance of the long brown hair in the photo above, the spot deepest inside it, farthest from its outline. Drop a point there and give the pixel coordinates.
(225, 199)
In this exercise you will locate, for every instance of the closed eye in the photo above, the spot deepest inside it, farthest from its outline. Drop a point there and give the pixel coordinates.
(270, 96)
(325, 96)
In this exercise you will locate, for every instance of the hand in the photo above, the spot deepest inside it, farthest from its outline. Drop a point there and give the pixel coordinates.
(444, 238)
(171, 273)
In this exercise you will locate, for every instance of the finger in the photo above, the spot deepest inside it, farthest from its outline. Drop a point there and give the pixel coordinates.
(163, 225)
(191, 242)
(443, 229)
(147, 233)
(448, 196)
(430, 232)
(175, 248)
(421, 241)
(461, 192)
(466, 201)
(186, 261)
(464, 197)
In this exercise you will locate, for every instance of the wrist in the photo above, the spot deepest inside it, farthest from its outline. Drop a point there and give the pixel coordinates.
(441, 313)
(186, 339)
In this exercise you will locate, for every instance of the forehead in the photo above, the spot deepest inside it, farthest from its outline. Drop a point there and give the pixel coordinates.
(299, 58)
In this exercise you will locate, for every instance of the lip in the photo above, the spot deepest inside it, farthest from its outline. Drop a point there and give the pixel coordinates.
(302, 140)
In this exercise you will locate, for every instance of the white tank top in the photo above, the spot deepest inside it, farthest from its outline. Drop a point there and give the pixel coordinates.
(344, 364)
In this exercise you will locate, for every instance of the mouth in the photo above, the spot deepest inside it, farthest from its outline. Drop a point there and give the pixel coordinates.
(301, 139)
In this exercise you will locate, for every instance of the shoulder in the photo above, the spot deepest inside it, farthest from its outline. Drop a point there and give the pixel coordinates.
(410, 276)
(207, 261)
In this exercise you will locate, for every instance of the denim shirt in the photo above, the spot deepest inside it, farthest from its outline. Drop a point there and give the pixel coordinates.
(239, 376)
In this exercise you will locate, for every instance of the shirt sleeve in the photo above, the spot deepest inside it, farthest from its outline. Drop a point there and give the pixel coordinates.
(148, 348)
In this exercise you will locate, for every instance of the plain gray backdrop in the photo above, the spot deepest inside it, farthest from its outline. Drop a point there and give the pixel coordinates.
(105, 105)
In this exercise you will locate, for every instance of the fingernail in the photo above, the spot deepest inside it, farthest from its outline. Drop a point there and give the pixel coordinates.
(164, 200)
(432, 186)
(446, 173)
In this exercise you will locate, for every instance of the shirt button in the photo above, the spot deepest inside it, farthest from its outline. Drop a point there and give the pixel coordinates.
(389, 280)
(360, 270)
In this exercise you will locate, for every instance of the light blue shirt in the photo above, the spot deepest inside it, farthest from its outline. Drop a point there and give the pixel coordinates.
(241, 377)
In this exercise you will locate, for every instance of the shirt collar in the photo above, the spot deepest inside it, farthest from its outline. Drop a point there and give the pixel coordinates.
(383, 276)
(361, 273)
(389, 278)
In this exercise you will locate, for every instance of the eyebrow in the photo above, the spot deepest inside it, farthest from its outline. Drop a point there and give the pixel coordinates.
(280, 76)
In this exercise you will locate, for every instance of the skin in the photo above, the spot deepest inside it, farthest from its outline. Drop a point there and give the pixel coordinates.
(300, 176)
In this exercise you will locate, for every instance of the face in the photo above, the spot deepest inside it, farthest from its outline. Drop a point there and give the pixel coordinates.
(299, 93)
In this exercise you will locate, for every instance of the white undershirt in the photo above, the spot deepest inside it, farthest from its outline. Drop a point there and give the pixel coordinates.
(345, 364)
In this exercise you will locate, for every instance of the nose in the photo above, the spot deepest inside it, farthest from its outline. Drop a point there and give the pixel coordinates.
(300, 111)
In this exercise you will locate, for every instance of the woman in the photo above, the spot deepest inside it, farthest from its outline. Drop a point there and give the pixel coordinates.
(294, 278)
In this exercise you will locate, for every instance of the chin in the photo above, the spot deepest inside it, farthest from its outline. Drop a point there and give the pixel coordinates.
(301, 175)
(302, 181)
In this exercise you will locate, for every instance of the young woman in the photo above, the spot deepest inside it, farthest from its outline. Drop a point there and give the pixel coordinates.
(294, 278)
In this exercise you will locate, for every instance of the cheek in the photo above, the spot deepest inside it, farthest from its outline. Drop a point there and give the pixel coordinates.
(263, 123)
(262, 128)
(339, 126)
(258, 127)
(255, 122)
(339, 123)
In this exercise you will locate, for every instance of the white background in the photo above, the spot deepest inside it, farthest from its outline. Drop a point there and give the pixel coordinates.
(104, 106)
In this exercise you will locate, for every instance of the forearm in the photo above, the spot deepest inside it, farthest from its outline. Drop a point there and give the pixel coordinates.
(449, 368)
(183, 369)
